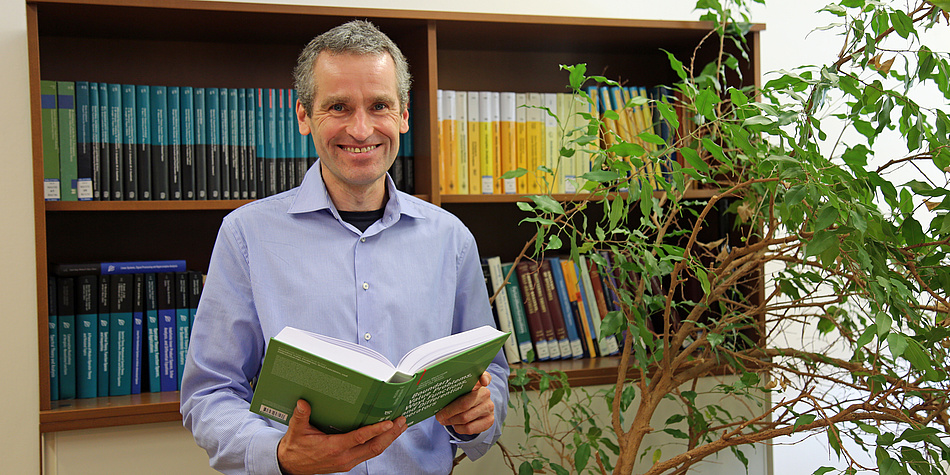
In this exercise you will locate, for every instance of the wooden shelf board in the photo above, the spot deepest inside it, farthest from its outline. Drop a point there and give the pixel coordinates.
(513, 198)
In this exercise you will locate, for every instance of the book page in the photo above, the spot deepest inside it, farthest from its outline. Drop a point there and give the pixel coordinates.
(430, 353)
(359, 358)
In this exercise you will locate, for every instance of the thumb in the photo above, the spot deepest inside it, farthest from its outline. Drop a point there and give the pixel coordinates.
(300, 419)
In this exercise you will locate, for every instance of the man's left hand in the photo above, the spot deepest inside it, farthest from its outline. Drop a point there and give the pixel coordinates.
(471, 413)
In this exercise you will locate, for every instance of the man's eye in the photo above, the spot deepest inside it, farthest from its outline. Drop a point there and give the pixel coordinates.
(337, 107)
(380, 106)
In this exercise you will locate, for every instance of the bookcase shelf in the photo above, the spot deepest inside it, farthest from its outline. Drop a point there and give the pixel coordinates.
(205, 44)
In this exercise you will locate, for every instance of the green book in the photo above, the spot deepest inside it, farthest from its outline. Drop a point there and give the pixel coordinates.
(50, 118)
(349, 386)
(68, 151)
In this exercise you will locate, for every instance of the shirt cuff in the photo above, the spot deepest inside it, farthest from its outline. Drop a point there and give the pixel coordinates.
(261, 457)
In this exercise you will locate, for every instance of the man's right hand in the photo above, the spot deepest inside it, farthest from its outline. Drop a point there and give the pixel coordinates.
(306, 450)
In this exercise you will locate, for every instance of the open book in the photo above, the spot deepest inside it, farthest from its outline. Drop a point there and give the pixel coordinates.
(349, 386)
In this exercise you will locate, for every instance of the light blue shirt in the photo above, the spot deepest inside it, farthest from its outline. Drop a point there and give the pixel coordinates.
(289, 260)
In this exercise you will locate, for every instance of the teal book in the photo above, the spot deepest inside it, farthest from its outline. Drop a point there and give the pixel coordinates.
(174, 143)
(349, 386)
(237, 170)
(49, 116)
(83, 142)
(104, 182)
(182, 323)
(120, 335)
(195, 285)
(116, 160)
(152, 364)
(68, 170)
(95, 139)
(303, 142)
(167, 346)
(281, 138)
(255, 184)
(138, 328)
(187, 143)
(53, 347)
(518, 318)
(87, 336)
(290, 139)
(201, 146)
(130, 160)
(66, 314)
(213, 136)
(269, 106)
(158, 134)
(247, 170)
(143, 142)
(225, 144)
(102, 379)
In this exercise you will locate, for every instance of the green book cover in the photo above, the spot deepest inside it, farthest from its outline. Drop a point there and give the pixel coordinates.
(349, 386)
(50, 119)
(68, 152)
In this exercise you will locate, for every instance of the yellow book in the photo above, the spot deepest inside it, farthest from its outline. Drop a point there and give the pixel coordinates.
(552, 154)
(535, 142)
(521, 139)
(474, 145)
(508, 140)
(450, 145)
(461, 126)
(486, 143)
(568, 115)
(497, 169)
(443, 166)
(646, 118)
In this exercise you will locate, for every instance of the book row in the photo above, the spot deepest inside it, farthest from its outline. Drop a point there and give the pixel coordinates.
(483, 135)
(119, 334)
(553, 308)
(106, 141)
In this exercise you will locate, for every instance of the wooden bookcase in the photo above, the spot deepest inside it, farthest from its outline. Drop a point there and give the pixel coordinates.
(205, 44)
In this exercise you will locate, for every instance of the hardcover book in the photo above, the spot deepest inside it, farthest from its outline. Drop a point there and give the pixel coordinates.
(130, 164)
(87, 336)
(50, 119)
(120, 335)
(68, 168)
(349, 386)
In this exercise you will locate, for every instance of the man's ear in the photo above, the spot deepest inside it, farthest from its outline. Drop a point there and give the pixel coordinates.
(303, 125)
(404, 127)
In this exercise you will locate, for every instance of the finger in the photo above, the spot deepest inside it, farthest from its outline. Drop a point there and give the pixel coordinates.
(374, 439)
(299, 423)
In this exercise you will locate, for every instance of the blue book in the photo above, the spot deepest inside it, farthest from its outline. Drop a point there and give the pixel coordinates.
(196, 283)
(138, 317)
(237, 170)
(143, 141)
(120, 335)
(269, 113)
(594, 329)
(87, 336)
(127, 267)
(130, 160)
(53, 330)
(201, 145)
(281, 140)
(567, 314)
(213, 136)
(105, 146)
(116, 162)
(168, 348)
(152, 366)
(182, 321)
(187, 123)
(255, 164)
(158, 123)
(174, 143)
(66, 314)
(95, 141)
(84, 112)
(102, 379)
(247, 170)
(225, 142)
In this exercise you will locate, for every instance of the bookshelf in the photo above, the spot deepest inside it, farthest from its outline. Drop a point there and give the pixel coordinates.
(204, 44)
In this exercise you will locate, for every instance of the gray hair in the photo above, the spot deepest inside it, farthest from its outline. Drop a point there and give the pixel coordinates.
(355, 37)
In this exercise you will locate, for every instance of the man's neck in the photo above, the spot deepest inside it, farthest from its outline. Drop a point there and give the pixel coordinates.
(349, 198)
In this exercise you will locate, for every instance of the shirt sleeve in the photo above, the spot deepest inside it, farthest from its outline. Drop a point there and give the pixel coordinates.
(224, 356)
(472, 309)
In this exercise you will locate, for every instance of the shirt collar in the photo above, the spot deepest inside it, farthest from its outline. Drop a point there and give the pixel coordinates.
(312, 195)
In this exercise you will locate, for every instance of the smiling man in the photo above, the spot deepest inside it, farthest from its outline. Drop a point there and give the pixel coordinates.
(346, 255)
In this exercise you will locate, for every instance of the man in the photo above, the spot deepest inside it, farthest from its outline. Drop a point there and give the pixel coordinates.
(346, 255)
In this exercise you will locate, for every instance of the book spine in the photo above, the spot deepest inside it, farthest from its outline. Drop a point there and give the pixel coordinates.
(238, 166)
(132, 267)
(105, 147)
(290, 141)
(505, 322)
(201, 145)
(551, 143)
(87, 336)
(508, 141)
(152, 356)
(225, 144)
(301, 146)
(187, 131)
(567, 312)
(130, 170)
(254, 166)
(168, 351)
(259, 95)
(486, 146)
(195, 285)
(84, 188)
(116, 160)
(549, 290)
(271, 178)
(246, 167)
(95, 141)
(518, 317)
(461, 141)
(213, 132)
(521, 140)
(138, 317)
(174, 143)
(53, 343)
(569, 269)
(182, 322)
(66, 109)
(66, 314)
(281, 140)
(554, 343)
(158, 98)
(143, 142)
(532, 311)
(120, 335)
(607, 343)
(474, 144)
(102, 379)
(50, 118)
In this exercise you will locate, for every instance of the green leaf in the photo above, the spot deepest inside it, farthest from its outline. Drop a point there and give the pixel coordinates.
(821, 241)
(602, 176)
(897, 343)
(715, 339)
(577, 76)
(514, 173)
(714, 149)
(554, 243)
(803, 419)
(883, 322)
(827, 216)
(823, 470)
(559, 470)
(693, 160)
(657, 454)
(669, 114)
(917, 356)
(627, 149)
(547, 204)
(581, 456)
(677, 65)
(525, 468)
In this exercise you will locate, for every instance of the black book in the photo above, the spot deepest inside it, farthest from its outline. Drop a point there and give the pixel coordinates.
(158, 122)
(143, 142)
(213, 137)
(225, 136)
(116, 164)
(201, 146)
(66, 314)
(238, 167)
(187, 143)
(130, 161)
(174, 143)
(103, 182)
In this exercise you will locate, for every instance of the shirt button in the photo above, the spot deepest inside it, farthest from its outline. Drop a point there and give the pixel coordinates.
(367, 336)
(362, 239)
(365, 286)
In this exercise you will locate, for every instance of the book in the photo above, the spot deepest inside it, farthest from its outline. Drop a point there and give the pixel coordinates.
(474, 143)
(213, 151)
(551, 332)
(201, 145)
(158, 124)
(260, 140)
(508, 141)
(461, 141)
(495, 111)
(569, 270)
(542, 348)
(53, 341)
(84, 187)
(187, 122)
(349, 386)
(518, 318)
(552, 143)
(224, 137)
(143, 141)
(175, 159)
(152, 367)
(182, 323)
(280, 139)
(95, 141)
(116, 160)
(167, 344)
(120, 334)
(269, 105)
(105, 146)
(551, 268)
(66, 109)
(497, 281)
(102, 378)
(534, 141)
(87, 336)
(196, 282)
(521, 139)
(486, 144)
(130, 162)
(108, 268)
(239, 137)
(254, 167)
(66, 319)
(49, 116)
(606, 344)
(138, 329)
(238, 167)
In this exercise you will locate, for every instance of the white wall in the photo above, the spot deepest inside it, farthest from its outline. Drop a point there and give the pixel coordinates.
(166, 448)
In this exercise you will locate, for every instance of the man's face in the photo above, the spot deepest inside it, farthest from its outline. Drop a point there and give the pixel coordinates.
(356, 119)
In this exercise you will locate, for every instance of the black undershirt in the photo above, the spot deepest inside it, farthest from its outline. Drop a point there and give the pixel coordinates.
(362, 219)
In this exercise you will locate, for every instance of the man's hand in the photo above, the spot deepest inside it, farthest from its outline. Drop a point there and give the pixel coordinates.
(306, 450)
(471, 413)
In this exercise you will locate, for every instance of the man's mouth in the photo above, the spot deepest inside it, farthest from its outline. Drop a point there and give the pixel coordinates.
(359, 149)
